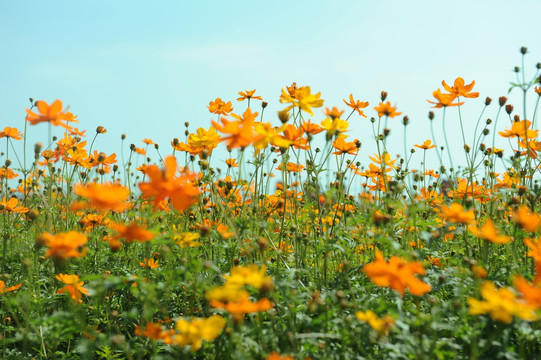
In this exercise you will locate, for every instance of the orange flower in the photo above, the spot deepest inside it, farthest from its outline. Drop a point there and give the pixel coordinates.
(52, 114)
(444, 100)
(530, 293)
(356, 104)
(529, 221)
(397, 274)
(11, 206)
(294, 135)
(456, 214)
(7, 174)
(244, 306)
(310, 128)
(276, 356)
(292, 167)
(248, 94)
(149, 263)
(520, 129)
(333, 113)
(64, 245)
(102, 197)
(164, 184)
(74, 287)
(240, 132)
(385, 109)
(220, 107)
(489, 232)
(148, 141)
(231, 162)
(426, 145)
(4, 289)
(13, 133)
(344, 147)
(459, 89)
(535, 249)
(132, 232)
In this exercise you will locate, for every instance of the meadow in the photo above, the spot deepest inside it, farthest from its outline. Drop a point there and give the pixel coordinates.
(297, 246)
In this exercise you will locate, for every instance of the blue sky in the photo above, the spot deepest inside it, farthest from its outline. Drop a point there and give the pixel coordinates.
(145, 67)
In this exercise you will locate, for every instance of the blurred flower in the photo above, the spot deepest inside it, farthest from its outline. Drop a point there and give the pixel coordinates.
(149, 263)
(52, 114)
(4, 289)
(11, 206)
(131, 232)
(426, 145)
(456, 214)
(220, 107)
(397, 274)
(64, 245)
(382, 325)
(489, 232)
(500, 304)
(248, 94)
(102, 197)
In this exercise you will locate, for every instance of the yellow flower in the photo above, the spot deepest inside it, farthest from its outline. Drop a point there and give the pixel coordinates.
(192, 333)
(381, 325)
(248, 275)
(500, 304)
(302, 98)
(187, 239)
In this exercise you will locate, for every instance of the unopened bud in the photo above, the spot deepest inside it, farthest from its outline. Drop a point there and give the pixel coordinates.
(509, 109)
(431, 115)
(502, 100)
(405, 120)
(383, 95)
(37, 147)
(523, 50)
(101, 130)
(488, 101)
(264, 104)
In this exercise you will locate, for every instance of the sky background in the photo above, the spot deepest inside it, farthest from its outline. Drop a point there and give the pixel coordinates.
(143, 68)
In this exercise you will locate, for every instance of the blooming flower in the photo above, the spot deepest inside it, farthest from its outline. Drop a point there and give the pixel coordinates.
(302, 98)
(459, 89)
(132, 232)
(385, 109)
(489, 232)
(248, 94)
(444, 100)
(164, 184)
(12, 133)
(500, 304)
(397, 274)
(64, 245)
(382, 325)
(356, 105)
(74, 286)
(4, 289)
(11, 206)
(456, 214)
(220, 107)
(52, 114)
(426, 145)
(102, 197)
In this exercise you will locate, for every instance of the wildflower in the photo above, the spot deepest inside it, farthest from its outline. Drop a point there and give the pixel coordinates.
(334, 126)
(426, 145)
(266, 134)
(344, 147)
(244, 306)
(294, 135)
(7, 173)
(240, 132)
(164, 184)
(147, 141)
(385, 109)
(248, 94)
(102, 197)
(382, 325)
(187, 239)
(276, 356)
(529, 221)
(444, 100)
(231, 162)
(248, 275)
(152, 331)
(292, 167)
(64, 245)
(310, 128)
(397, 274)
(479, 272)
(204, 139)
(149, 263)
(520, 129)
(531, 293)
(220, 107)
(456, 214)
(12, 133)
(132, 232)
(52, 114)
(192, 333)
(302, 98)
(4, 289)
(459, 89)
(333, 113)
(74, 286)
(11, 206)
(501, 304)
(489, 232)
(434, 261)
(356, 105)
(535, 249)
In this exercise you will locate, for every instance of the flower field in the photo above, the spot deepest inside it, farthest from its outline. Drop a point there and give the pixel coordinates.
(296, 245)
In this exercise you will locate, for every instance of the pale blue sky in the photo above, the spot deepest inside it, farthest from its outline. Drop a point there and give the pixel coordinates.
(145, 67)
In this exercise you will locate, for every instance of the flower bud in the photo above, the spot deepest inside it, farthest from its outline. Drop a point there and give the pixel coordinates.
(488, 101)
(502, 100)
(405, 120)
(101, 130)
(383, 95)
(431, 115)
(523, 50)
(509, 109)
